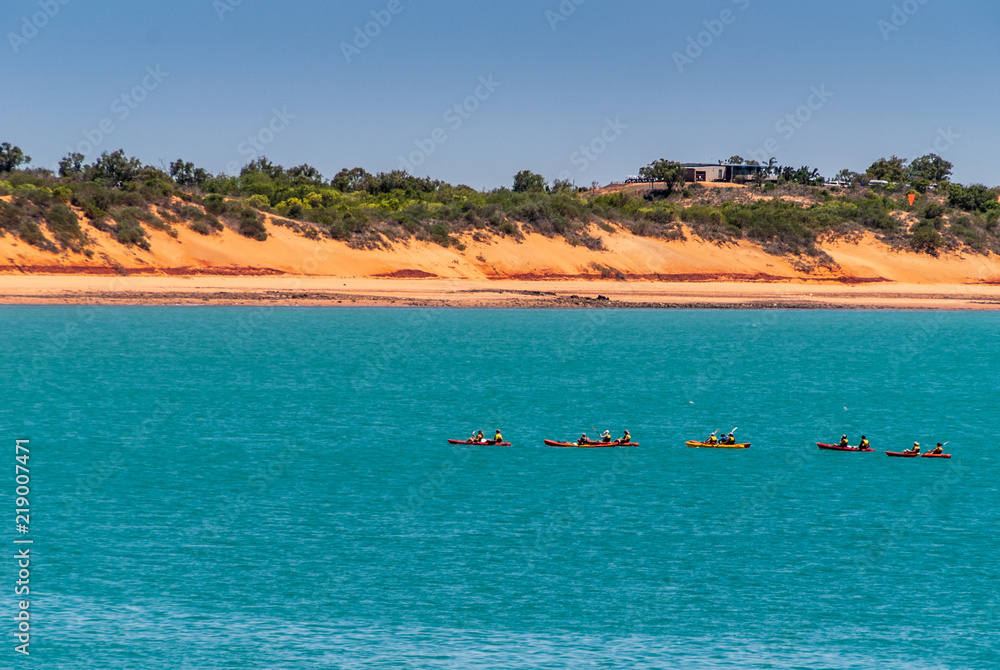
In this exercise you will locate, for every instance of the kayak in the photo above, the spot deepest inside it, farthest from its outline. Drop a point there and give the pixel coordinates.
(706, 445)
(935, 455)
(837, 447)
(590, 445)
(484, 443)
(900, 454)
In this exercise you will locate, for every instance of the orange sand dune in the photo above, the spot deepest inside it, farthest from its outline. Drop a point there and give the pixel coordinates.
(498, 262)
(536, 256)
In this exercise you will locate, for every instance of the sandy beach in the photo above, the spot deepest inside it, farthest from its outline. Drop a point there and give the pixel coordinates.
(338, 291)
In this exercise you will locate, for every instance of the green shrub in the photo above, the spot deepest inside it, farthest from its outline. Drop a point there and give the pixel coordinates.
(258, 201)
(972, 198)
(200, 227)
(778, 225)
(702, 214)
(251, 225)
(11, 217)
(933, 211)
(42, 197)
(64, 224)
(33, 235)
(440, 234)
(131, 233)
(963, 229)
(662, 216)
(215, 204)
(991, 220)
(93, 212)
(189, 212)
(620, 201)
(873, 214)
(926, 239)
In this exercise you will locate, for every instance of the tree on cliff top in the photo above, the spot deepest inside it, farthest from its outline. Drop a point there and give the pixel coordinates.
(12, 157)
(670, 173)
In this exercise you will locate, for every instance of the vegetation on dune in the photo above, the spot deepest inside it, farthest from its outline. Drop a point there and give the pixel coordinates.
(788, 212)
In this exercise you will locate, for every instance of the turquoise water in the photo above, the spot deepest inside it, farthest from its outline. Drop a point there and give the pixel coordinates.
(271, 488)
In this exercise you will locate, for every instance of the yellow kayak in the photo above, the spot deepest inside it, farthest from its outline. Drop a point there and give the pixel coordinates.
(706, 445)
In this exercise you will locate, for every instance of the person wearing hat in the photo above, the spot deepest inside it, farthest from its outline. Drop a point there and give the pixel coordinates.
(864, 444)
(583, 439)
(913, 450)
(939, 449)
(712, 439)
(626, 438)
(606, 436)
(498, 438)
(843, 441)
(730, 439)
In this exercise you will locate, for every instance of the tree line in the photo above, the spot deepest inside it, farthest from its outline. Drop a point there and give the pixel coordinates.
(119, 194)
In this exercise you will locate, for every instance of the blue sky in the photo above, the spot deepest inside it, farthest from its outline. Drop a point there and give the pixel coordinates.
(589, 91)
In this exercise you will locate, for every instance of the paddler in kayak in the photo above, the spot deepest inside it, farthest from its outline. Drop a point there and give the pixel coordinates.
(480, 437)
(626, 438)
(730, 439)
(864, 444)
(606, 437)
(939, 449)
(498, 438)
(583, 439)
(915, 449)
(843, 441)
(712, 439)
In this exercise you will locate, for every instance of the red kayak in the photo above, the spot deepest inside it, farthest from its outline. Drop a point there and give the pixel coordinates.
(484, 443)
(837, 447)
(590, 445)
(935, 455)
(900, 454)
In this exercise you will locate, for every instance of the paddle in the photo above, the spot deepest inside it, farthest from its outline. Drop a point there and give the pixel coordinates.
(943, 445)
(600, 435)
